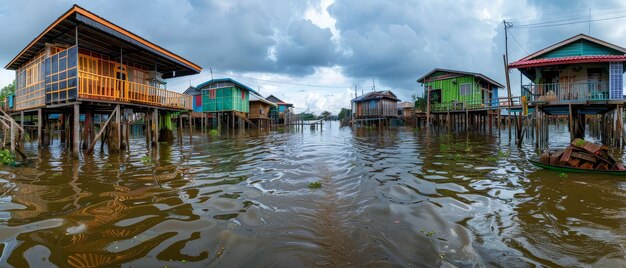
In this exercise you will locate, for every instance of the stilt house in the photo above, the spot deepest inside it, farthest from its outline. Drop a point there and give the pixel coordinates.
(85, 64)
(451, 90)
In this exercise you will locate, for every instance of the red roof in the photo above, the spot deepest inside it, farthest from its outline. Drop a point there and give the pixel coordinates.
(566, 60)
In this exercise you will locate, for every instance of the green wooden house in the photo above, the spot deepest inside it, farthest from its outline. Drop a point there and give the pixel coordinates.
(451, 90)
(225, 100)
(225, 95)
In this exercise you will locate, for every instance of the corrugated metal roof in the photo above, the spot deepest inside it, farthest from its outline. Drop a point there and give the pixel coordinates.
(254, 97)
(569, 41)
(479, 75)
(375, 95)
(567, 60)
(201, 85)
(278, 101)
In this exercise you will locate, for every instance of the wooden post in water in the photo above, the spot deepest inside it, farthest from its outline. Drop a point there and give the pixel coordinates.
(13, 130)
(571, 123)
(190, 128)
(155, 126)
(508, 89)
(39, 124)
(76, 130)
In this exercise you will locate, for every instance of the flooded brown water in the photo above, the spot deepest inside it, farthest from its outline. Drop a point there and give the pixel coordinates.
(393, 197)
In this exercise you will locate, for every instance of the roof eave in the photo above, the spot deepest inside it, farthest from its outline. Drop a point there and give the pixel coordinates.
(79, 10)
(541, 64)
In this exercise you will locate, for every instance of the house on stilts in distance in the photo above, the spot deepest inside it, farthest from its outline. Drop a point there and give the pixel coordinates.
(260, 111)
(461, 98)
(282, 112)
(579, 77)
(224, 102)
(375, 108)
(83, 64)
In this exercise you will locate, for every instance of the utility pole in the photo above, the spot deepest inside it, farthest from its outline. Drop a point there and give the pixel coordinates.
(507, 25)
(211, 69)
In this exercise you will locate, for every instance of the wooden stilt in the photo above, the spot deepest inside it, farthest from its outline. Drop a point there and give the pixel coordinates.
(155, 122)
(102, 128)
(39, 125)
(76, 131)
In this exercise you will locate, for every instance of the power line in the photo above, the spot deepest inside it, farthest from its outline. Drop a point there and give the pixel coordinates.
(571, 15)
(518, 43)
(529, 26)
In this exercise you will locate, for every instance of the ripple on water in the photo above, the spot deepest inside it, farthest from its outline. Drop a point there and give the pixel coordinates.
(391, 197)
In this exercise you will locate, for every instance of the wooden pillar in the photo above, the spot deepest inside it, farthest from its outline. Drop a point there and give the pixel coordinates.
(148, 128)
(39, 125)
(118, 128)
(76, 131)
(190, 128)
(571, 123)
(155, 126)
(87, 129)
(13, 133)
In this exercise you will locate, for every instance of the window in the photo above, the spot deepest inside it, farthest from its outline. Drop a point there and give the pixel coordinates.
(466, 89)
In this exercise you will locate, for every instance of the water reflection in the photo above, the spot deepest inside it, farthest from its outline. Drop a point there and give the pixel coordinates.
(393, 197)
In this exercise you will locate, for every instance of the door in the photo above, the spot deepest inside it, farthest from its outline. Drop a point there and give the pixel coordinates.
(122, 85)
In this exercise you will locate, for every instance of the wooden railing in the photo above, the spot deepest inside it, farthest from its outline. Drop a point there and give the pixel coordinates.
(567, 92)
(476, 104)
(99, 87)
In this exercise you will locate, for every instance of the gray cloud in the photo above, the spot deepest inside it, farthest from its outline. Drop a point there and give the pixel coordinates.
(393, 42)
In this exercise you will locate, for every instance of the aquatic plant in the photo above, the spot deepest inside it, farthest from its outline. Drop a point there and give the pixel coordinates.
(492, 159)
(469, 149)
(315, 185)
(6, 157)
(444, 147)
(146, 159)
(213, 132)
(563, 175)
(503, 154)
(458, 157)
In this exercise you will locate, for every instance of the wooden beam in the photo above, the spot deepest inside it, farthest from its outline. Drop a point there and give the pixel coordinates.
(102, 128)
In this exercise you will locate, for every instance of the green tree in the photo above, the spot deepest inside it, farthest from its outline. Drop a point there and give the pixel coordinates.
(419, 102)
(307, 116)
(325, 115)
(7, 90)
(345, 112)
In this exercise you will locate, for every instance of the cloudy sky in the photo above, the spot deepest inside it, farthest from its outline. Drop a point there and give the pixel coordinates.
(313, 53)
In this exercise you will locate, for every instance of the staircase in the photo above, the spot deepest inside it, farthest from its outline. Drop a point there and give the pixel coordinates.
(15, 131)
(244, 116)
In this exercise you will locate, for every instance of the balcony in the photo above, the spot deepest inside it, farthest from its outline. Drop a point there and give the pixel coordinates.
(472, 105)
(99, 87)
(567, 92)
(68, 76)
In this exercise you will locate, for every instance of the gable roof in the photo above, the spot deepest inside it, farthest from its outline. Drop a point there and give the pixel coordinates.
(278, 101)
(201, 86)
(95, 28)
(191, 90)
(479, 75)
(602, 52)
(376, 95)
(255, 97)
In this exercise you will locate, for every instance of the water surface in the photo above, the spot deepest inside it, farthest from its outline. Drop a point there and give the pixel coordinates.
(392, 197)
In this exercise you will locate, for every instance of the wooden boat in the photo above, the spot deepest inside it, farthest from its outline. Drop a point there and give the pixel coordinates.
(578, 170)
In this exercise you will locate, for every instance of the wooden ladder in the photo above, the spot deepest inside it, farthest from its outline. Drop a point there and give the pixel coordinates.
(16, 133)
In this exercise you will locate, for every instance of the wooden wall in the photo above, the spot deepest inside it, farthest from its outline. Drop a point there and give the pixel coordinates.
(259, 109)
(376, 108)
